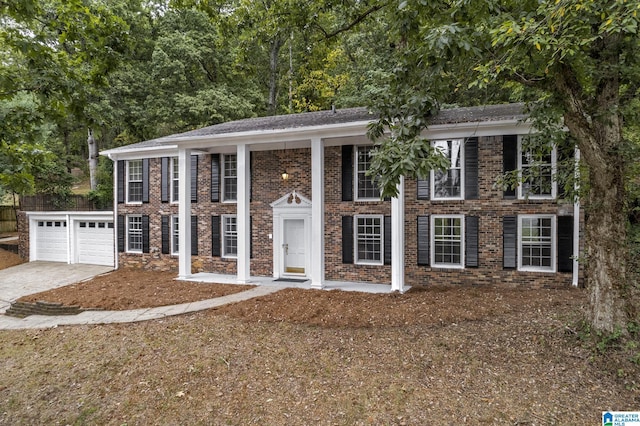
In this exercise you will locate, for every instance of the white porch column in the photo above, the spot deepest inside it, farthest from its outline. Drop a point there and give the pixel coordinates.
(397, 239)
(317, 213)
(242, 215)
(184, 213)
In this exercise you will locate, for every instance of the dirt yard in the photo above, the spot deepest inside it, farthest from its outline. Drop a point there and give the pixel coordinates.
(446, 355)
(8, 259)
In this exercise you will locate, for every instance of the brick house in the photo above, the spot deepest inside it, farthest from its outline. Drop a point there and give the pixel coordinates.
(288, 196)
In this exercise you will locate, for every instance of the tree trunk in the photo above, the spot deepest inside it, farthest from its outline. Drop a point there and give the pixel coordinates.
(274, 53)
(93, 160)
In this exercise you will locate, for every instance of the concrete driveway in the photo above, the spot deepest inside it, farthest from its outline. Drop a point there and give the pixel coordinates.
(34, 277)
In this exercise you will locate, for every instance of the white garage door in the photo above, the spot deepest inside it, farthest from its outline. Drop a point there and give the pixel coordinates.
(51, 240)
(94, 242)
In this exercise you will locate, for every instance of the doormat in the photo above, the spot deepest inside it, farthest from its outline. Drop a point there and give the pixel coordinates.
(291, 280)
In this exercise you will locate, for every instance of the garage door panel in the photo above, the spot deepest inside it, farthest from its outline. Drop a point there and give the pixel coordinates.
(51, 240)
(95, 242)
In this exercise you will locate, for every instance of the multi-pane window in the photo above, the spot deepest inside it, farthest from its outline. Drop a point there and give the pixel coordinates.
(134, 234)
(230, 177)
(537, 242)
(134, 181)
(536, 168)
(175, 234)
(369, 244)
(448, 183)
(447, 241)
(175, 180)
(229, 236)
(366, 186)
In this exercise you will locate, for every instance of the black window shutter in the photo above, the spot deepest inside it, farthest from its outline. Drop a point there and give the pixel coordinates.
(423, 240)
(250, 237)
(194, 235)
(509, 159)
(145, 234)
(471, 169)
(216, 246)
(387, 240)
(166, 246)
(164, 180)
(215, 178)
(565, 160)
(347, 239)
(145, 180)
(471, 227)
(122, 231)
(347, 173)
(194, 178)
(509, 241)
(424, 188)
(565, 243)
(250, 176)
(121, 170)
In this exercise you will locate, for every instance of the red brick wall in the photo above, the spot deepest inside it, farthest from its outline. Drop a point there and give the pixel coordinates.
(268, 186)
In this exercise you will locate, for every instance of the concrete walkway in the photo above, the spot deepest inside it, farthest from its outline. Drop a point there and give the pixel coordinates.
(135, 315)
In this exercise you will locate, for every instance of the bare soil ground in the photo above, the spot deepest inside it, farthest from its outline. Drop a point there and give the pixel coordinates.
(446, 355)
(8, 259)
(134, 289)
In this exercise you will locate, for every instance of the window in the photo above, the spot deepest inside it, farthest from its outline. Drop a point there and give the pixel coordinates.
(175, 235)
(229, 177)
(366, 187)
(134, 234)
(175, 180)
(368, 235)
(229, 236)
(536, 245)
(537, 169)
(446, 239)
(448, 184)
(134, 181)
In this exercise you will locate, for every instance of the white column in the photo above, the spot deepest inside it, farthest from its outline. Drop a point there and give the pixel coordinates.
(576, 223)
(317, 213)
(397, 239)
(242, 214)
(184, 213)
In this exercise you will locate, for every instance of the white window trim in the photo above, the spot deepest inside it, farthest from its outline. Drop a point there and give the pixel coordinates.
(355, 239)
(462, 173)
(356, 195)
(127, 236)
(223, 236)
(172, 178)
(554, 186)
(554, 243)
(223, 177)
(432, 238)
(174, 234)
(127, 180)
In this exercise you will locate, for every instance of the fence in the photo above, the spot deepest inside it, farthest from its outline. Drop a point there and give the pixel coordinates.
(42, 203)
(8, 219)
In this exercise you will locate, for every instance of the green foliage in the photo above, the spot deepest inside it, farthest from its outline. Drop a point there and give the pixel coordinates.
(102, 196)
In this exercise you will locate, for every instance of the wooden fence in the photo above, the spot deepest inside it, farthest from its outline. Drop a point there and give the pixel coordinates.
(45, 203)
(8, 219)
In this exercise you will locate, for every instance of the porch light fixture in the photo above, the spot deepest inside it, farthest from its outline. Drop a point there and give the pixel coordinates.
(285, 176)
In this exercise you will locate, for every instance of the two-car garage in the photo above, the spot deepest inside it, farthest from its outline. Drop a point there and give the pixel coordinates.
(82, 237)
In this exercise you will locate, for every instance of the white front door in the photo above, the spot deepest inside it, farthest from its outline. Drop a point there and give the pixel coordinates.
(293, 246)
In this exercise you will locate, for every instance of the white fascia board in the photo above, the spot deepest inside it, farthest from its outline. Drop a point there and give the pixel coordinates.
(135, 154)
(53, 215)
(483, 128)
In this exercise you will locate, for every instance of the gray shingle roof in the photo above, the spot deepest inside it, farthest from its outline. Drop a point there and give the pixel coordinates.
(325, 118)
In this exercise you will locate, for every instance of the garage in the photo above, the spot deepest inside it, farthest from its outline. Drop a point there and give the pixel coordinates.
(52, 240)
(94, 242)
(80, 237)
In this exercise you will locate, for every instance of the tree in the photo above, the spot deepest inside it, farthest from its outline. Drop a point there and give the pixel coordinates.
(575, 60)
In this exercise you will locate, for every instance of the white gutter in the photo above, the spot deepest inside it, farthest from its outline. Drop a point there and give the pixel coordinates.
(115, 212)
(576, 222)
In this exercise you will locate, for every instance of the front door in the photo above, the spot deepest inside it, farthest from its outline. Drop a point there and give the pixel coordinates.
(293, 246)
